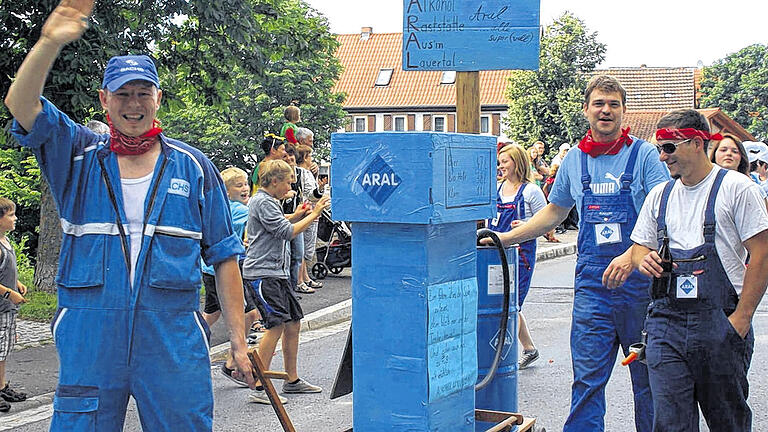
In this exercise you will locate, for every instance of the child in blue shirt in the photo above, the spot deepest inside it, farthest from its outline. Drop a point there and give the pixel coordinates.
(236, 182)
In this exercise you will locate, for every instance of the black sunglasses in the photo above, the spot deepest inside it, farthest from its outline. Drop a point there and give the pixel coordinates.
(670, 147)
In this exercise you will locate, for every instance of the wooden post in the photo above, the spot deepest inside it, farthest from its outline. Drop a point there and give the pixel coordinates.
(264, 377)
(468, 102)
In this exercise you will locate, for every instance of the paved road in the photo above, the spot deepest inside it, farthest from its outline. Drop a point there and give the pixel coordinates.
(544, 390)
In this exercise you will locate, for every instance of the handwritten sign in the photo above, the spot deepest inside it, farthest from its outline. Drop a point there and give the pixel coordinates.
(466, 177)
(470, 35)
(452, 338)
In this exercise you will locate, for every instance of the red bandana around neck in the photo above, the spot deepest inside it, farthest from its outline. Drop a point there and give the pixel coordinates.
(595, 149)
(687, 133)
(127, 145)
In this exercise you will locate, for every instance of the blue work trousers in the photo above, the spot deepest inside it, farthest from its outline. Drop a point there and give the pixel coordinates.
(698, 358)
(604, 320)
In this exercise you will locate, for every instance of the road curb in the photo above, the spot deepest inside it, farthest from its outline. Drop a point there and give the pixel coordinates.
(556, 252)
(325, 317)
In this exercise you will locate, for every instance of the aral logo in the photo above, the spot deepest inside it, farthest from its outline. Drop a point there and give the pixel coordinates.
(687, 286)
(179, 187)
(379, 180)
(606, 232)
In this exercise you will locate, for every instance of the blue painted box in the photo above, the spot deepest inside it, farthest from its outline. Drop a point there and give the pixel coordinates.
(414, 315)
(413, 177)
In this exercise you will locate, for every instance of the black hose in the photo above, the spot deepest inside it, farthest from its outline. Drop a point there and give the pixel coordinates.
(483, 233)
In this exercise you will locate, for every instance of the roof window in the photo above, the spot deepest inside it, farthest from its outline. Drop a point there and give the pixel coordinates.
(385, 76)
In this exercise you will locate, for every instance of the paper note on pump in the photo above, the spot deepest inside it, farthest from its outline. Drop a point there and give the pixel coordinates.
(452, 339)
(496, 279)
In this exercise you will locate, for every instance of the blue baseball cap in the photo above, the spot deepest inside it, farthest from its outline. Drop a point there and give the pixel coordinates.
(122, 69)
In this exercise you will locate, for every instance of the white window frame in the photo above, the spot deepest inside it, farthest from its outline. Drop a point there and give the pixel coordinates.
(448, 77)
(384, 77)
(394, 123)
(365, 124)
(487, 118)
(434, 123)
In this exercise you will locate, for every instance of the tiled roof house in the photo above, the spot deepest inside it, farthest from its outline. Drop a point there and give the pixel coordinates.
(383, 97)
(656, 88)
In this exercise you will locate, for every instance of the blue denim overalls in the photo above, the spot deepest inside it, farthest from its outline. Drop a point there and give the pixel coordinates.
(506, 213)
(694, 354)
(603, 319)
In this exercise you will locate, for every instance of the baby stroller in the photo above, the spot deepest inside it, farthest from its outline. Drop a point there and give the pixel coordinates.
(336, 254)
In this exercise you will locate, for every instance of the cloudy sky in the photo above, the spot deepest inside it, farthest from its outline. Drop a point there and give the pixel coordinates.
(651, 32)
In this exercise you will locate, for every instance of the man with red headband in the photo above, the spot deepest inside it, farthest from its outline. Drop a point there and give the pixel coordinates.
(137, 209)
(607, 177)
(700, 338)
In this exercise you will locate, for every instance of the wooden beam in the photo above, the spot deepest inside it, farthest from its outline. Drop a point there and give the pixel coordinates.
(262, 375)
(468, 102)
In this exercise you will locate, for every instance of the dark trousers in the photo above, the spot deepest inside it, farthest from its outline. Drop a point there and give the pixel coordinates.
(697, 359)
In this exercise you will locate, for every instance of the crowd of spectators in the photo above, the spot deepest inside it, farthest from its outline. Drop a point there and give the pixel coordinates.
(276, 217)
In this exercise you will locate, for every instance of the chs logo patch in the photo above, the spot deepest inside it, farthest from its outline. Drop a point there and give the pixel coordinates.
(179, 187)
(379, 180)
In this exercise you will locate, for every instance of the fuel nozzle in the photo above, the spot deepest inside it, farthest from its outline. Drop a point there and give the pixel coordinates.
(636, 351)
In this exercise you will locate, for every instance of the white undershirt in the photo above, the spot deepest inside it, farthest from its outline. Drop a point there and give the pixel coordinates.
(533, 199)
(134, 194)
(739, 215)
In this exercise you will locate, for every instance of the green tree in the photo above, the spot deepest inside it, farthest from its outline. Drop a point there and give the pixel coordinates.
(546, 104)
(20, 182)
(302, 72)
(738, 84)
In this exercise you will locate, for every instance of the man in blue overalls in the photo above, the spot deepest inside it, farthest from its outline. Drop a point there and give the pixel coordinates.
(700, 339)
(607, 178)
(137, 210)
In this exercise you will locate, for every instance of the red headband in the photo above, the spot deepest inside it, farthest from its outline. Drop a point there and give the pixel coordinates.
(688, 133)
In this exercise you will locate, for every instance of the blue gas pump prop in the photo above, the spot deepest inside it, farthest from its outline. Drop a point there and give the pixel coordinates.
(412, 200)
(496, 327)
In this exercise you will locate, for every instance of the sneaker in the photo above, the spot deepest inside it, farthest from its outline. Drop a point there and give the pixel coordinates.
(227, 372)
(527, 358)
(314, 284)
(12, 395)
(260, 397)
(300, 386)
(4, 406)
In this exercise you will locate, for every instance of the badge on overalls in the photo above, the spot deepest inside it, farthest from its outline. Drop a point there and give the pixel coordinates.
(687, 287)
(607, 233)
